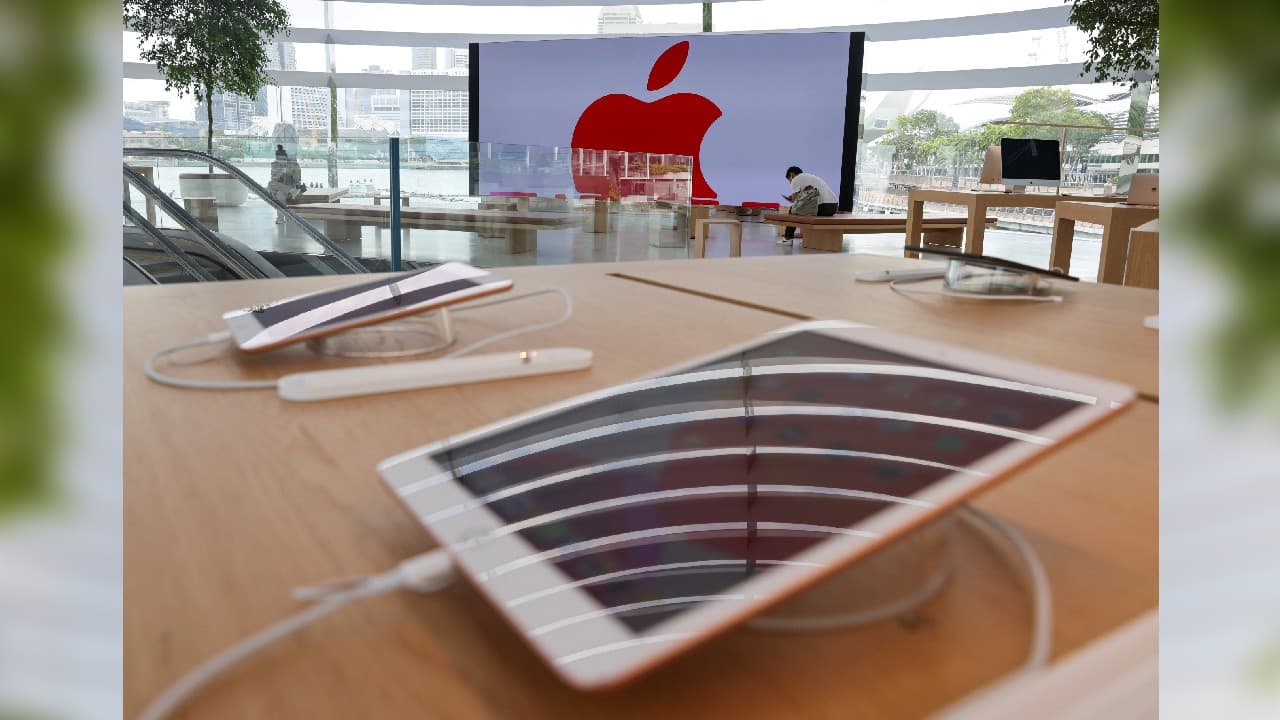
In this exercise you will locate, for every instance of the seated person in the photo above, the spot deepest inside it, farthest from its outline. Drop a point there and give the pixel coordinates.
(286, 179)
(804, 187)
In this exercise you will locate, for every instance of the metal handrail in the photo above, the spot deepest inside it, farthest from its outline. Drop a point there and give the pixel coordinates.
(230, 255)
(185, 261)
(330, 246)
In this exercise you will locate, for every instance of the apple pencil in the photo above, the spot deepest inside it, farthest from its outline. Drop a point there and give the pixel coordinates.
(394, 377)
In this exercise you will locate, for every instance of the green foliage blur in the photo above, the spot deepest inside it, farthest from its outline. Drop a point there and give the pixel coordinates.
(42, 75)
(1225, 88)
(206, 46)
(925, 137)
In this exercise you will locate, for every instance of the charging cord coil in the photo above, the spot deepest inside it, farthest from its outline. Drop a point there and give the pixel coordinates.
(168, 354)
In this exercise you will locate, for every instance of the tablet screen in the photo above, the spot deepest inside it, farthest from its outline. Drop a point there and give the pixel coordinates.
(666, 493)
(304, 315)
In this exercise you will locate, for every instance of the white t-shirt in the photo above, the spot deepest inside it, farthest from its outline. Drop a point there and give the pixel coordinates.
(803, 180)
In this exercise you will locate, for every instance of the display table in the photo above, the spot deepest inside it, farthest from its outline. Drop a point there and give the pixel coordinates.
(976, 203)
(1116, 220)
(1142, 268)
(236, 497)
(1097, 330)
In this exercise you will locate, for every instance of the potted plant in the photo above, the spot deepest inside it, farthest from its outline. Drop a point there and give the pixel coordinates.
(203, 47)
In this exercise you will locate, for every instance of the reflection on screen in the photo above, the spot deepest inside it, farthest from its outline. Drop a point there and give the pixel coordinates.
(662, 494)
(306, 313)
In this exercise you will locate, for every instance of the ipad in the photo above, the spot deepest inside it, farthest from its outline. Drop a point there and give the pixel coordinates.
(317, 314)
(620, 528)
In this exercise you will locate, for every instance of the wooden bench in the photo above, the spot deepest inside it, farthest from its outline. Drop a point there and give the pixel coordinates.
(204, 209)
(343, 222)
(319, 195)
(827, 233)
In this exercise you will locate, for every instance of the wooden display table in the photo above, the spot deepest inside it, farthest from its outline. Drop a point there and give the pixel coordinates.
(237, 497)
(977, 202)
(1116, 220)
(204, 209)
(827, 233)
(1097, 329)
(1142, 269)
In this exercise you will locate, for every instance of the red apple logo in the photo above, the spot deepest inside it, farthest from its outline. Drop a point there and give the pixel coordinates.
(673, 125)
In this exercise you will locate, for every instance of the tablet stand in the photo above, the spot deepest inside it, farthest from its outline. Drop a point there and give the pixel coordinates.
(413, 335)
(889, 583)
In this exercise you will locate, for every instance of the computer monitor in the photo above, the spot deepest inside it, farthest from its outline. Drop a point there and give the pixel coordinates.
(1030, 162)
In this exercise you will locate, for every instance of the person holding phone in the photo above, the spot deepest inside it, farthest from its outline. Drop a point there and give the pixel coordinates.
(810, 195)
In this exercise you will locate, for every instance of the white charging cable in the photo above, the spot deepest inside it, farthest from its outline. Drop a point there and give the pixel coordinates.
(434, 570)
(221, 337)
(427, 572)
(1004, 535)
(1018, 551)
(1001, 535)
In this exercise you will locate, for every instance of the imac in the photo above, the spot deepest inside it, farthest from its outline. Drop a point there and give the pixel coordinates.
(1029, 162)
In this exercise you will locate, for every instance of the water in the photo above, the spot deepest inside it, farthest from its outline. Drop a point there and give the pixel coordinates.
(444, 181)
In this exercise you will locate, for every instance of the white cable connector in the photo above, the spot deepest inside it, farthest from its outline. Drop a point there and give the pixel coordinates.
(220, 337)
(427, 572)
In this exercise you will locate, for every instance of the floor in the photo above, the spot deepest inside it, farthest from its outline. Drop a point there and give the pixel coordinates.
(635, 236)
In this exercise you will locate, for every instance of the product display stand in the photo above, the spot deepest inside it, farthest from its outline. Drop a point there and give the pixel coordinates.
(890, 582)
(413, 335)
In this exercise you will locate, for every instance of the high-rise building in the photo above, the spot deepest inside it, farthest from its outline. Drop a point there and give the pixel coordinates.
(231, 113)
(458, 58)
(616, 18)
(626, 20)
(438, 112)
(284, 56)
(147, 111)
(309, 108)
(424, 58)
(370, 107)
(306, 107)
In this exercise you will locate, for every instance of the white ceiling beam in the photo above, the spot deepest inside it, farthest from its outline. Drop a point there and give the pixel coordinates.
(1017, 21)
(304, 78)
(533, 3)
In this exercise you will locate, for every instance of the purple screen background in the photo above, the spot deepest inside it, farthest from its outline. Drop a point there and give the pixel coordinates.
(782, 96)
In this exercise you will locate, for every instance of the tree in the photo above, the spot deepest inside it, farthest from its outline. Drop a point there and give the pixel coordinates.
(1124, 38)
(917, 136)
(1045, 105)
(1056, 106)
(204, 46)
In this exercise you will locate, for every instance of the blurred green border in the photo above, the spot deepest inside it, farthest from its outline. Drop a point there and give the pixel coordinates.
(1228, 214)
(43, 74)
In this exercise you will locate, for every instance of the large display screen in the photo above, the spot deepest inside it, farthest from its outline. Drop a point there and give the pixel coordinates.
(745, 107)
(669, 492)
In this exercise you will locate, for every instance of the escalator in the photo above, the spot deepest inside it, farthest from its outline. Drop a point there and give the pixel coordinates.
(239, 231)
